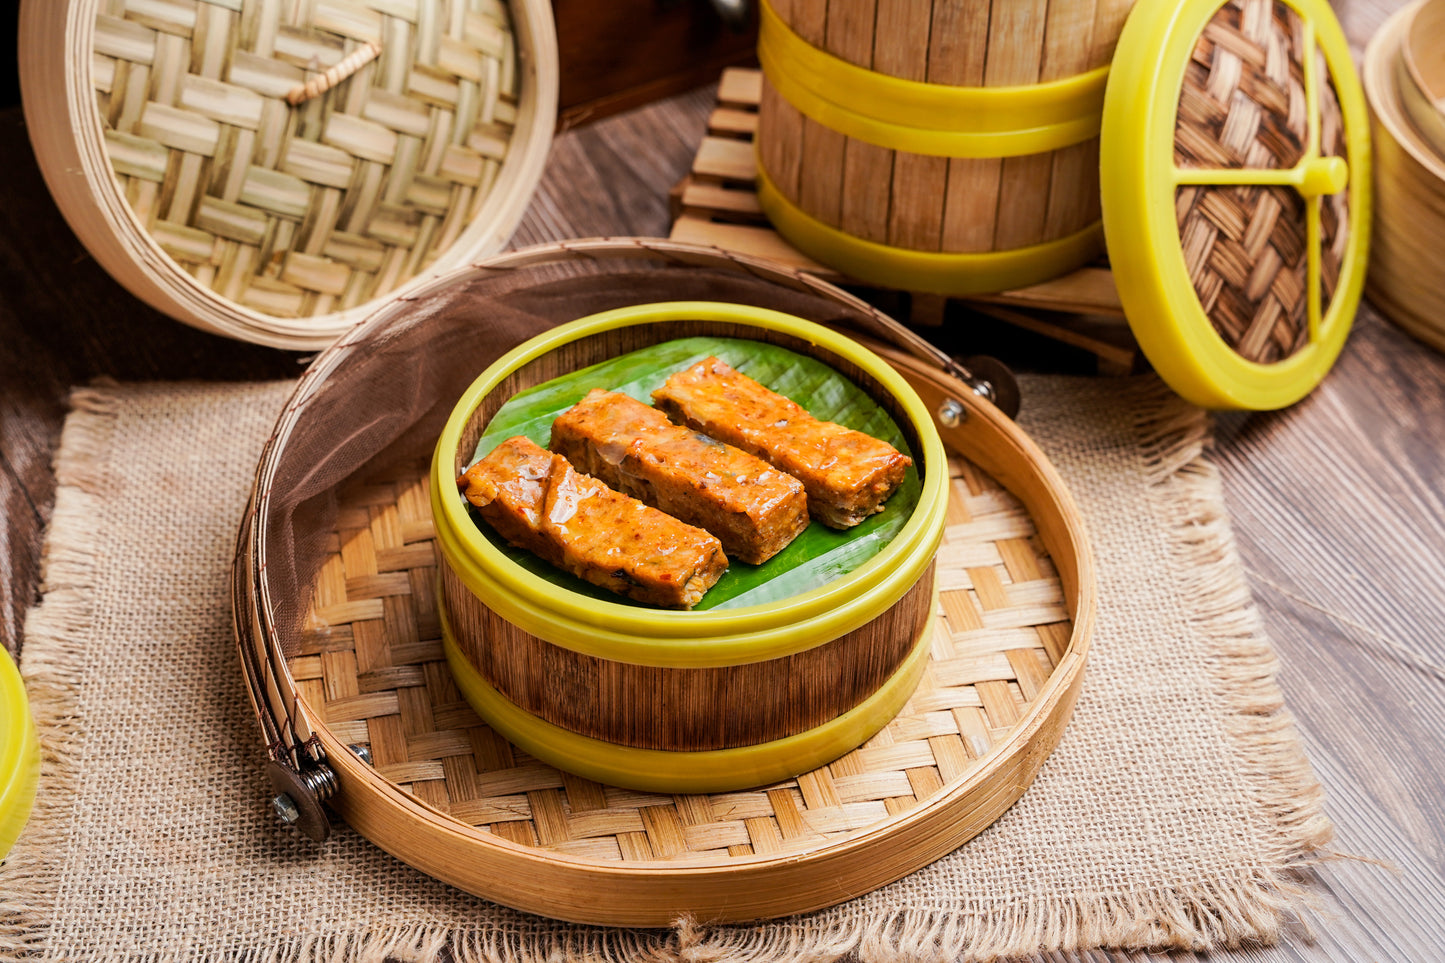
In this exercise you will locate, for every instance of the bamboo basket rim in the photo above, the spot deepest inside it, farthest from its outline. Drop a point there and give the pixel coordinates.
(370, 801)
(1431, 85)
(1379, 79)
(186, 298)
(1421, 93)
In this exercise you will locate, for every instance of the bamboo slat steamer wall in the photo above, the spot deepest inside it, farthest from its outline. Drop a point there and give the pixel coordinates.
(948, 204)
(270, 170)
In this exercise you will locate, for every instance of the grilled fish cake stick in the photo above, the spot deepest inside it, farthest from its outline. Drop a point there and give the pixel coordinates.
(538, 502)
(847, 474)
(754, 509)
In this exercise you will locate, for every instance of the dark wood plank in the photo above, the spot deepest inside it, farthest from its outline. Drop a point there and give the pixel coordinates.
(624, 53)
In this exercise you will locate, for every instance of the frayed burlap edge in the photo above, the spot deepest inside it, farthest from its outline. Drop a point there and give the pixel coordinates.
(1199, 915)
(52, 664)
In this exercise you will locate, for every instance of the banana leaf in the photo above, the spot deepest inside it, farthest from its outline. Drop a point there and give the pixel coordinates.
(817, 556)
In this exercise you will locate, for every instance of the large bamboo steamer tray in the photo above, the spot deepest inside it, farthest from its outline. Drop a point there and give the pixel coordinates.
(1405, 280)
(340, 631)
(696, 701)
(936, 146)
(274, 172)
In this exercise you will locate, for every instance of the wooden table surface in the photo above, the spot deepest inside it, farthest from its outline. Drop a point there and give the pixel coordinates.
(1338, 504)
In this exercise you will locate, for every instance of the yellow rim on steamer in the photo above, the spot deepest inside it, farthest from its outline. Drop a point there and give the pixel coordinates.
(939, 272)
(704, 771)
(941, 120)
(688, 639)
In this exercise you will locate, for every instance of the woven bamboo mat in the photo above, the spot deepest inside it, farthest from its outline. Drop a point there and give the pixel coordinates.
(303, 206)
(373, 669)
(1171, 814)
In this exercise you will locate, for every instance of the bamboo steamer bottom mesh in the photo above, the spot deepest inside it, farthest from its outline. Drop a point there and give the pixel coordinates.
(336, 603)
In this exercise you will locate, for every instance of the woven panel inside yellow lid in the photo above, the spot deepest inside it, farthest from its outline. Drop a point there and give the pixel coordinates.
(303, 210)
(1244, 105)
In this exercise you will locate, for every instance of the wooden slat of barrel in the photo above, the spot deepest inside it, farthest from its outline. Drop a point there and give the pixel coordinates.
(852, 33)
(901, 48)
(1015, 56)
(821, 192)
(957, 55)
(1074, 171)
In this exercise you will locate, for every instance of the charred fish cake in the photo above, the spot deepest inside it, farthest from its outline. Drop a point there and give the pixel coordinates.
(537, 501)
(752, 507)
(847, 474)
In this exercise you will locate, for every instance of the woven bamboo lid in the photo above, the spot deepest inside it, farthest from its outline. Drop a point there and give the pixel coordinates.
(1235, 185)
(272, 171)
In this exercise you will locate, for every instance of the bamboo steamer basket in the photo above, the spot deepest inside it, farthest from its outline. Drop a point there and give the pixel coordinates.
(1421, 73)
(1405, 281)
(274, 172)
(936, 146)
(692, 701)
(19, 755)
(340, 626)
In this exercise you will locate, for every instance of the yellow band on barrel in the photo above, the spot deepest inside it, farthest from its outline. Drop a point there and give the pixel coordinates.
(940, 120)
(938, 272)
(703, 771)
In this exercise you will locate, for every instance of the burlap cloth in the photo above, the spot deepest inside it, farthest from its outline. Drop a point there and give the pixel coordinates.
(1170, 816)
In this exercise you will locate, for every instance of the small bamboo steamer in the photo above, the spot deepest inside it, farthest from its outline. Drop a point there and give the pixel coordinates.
(1404, 279)
(1422, 73)
(990, 183)
(343, 647)
(274, 173)
(700, 701)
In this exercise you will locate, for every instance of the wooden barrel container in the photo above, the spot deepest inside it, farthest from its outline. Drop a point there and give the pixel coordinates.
(1404, 280)
(275, 172)
(686, 701)
(341, 640)
(938, 146)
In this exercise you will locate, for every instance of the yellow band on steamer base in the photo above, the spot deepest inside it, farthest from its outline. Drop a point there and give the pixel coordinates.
(940, 120)
(676, 771)
(937, 272)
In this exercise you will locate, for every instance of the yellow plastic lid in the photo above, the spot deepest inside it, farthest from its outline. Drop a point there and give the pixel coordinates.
(19, 755)
(1235, 182)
